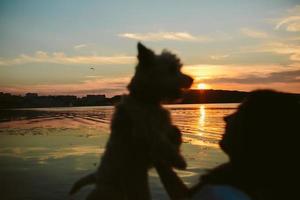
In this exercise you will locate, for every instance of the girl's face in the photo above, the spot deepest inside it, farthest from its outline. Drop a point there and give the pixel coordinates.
(231, 138)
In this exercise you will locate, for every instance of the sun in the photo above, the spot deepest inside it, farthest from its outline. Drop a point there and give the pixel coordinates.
(202, 86)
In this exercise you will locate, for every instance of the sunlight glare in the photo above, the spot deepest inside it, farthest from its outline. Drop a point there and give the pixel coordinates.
(202, 86)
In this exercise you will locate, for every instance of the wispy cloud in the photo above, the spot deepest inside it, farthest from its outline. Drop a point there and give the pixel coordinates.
(209, 71)
(291, 22)
(253, 33)
(219, 57)
(293, 51)
(61, 58)
(289, 76)
(176, 36)
(93, 85)
(80, 46)
(247, 77)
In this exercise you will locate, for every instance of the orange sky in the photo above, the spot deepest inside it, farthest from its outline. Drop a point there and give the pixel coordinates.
(90, 48)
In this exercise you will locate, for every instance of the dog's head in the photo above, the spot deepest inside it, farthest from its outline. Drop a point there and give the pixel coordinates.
(158, 77)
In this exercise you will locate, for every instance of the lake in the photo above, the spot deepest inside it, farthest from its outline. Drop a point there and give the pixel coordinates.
(44, 151)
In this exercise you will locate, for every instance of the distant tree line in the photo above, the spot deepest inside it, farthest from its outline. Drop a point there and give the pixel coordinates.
(33, 100)
(213, 96)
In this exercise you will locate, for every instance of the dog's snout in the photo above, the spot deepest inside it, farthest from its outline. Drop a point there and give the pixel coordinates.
(190, 80)
(187, 81)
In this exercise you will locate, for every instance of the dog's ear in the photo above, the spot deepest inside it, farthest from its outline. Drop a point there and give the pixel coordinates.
(145, 55)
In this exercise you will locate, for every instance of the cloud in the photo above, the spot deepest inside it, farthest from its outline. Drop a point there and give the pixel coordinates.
(217, 76)
(289, 76)
(61, 58)
(207, 71)
(80, 46)
(159, 36)
(219, 57)
(291, 22)
(247, 77)
(243, 73)
(93, 85)
(253, 33)
(293, 51)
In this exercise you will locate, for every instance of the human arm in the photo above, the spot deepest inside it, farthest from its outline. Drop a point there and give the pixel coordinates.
(173, 184)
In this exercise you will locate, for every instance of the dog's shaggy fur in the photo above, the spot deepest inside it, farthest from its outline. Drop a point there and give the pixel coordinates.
(142, 133)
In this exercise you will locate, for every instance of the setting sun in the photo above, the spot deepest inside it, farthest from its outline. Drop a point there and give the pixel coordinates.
(202, 86)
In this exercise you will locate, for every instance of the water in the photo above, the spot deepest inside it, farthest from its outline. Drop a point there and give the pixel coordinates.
(43, 151)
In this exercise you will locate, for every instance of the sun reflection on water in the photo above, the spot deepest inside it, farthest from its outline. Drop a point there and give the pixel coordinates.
(201, 117)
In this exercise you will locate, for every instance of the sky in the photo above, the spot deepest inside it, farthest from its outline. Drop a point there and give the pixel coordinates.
(75, 47)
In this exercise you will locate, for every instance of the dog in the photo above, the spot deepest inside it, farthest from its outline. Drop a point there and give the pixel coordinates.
(142, 133)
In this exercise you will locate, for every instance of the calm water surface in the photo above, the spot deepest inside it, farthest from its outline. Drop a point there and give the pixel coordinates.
(43, 151)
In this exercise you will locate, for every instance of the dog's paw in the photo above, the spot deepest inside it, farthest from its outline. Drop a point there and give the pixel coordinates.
(179, 163)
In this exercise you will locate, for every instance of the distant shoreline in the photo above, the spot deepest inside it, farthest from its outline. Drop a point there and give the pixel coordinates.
(33, 100)
(61, 107)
